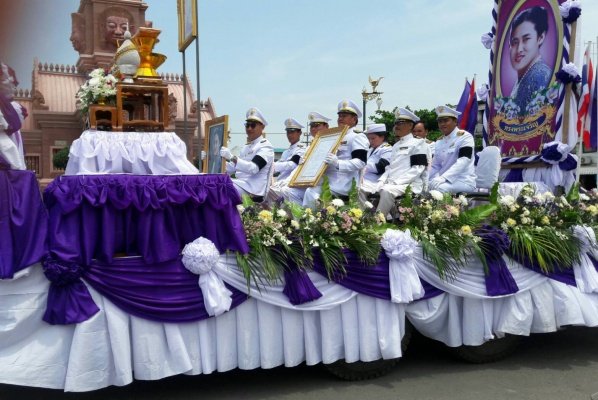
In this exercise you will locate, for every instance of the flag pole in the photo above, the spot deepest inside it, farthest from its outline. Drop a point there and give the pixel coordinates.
(199, 122)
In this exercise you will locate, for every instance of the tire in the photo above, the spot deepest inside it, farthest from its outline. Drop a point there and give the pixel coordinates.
(491, 351)
(361, 370)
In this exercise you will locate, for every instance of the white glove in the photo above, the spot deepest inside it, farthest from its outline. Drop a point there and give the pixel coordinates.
(331, 159)
(203, 155)
(226, 153)
(434, 183)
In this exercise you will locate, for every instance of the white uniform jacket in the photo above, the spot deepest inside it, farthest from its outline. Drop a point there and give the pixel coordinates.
(252, 171)
(408, 165)
(454, 158)
(378, 160)
(352, 157)
(289, 160)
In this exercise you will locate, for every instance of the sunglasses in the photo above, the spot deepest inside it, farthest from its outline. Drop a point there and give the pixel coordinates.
(315, 124)
(402, 121)
(250, 125)
(443, 120)
(293, 130)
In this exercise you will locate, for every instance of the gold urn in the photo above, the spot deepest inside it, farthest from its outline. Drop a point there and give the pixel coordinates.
(145, 39)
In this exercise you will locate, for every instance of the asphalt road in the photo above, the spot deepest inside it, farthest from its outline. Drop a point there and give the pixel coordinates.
(556, 366)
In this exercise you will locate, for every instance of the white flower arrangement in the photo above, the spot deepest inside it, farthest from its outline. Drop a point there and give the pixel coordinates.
(101, 85)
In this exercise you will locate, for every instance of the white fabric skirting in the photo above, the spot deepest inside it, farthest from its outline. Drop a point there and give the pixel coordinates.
(113, 347)
(142, 153)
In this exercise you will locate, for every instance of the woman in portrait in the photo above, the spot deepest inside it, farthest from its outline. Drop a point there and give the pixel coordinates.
(527, 35)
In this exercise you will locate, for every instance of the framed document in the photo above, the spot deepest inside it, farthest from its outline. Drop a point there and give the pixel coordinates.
(310, 172)
(187, 12)
(215, 137)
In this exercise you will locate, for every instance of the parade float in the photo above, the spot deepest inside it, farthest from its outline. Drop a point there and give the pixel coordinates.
(136, 266)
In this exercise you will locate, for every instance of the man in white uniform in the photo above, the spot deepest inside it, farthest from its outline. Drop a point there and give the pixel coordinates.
(252, 168)
(408, 162)
(290, 157)
(453, 164)
(379, 156)
(317, 123)
(350, 158)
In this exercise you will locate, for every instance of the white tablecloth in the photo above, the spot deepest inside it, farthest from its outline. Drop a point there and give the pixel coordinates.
(142, 153)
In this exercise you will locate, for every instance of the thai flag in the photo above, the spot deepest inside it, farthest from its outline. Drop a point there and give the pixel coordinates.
(468, 107)
(584, 112)
(592, 133)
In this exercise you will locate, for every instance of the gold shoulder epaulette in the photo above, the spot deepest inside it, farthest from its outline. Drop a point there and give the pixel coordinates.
(460, 133)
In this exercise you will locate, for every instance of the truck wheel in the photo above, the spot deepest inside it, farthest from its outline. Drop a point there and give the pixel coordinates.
(361, 370)
(491, 351)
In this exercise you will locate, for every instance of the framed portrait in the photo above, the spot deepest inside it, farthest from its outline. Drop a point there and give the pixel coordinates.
(525, 94)
(216, 136)
(311, 171)
(187, 12)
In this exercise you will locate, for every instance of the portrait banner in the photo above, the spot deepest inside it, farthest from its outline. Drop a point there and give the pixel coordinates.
(526, 102)
(216, 136)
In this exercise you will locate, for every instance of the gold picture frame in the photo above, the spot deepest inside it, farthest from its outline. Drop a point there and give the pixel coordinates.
(187, 13)
(216, 136)
(309, 173)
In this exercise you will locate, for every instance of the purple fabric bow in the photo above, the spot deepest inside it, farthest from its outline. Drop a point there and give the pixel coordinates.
(552, 153)
(10, 115)
(495, 242)
(69, 300)
(515, 175)
(566, 78)
(574, 14)
(298, 287)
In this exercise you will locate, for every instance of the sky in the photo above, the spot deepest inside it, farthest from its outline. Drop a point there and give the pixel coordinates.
(290, 57)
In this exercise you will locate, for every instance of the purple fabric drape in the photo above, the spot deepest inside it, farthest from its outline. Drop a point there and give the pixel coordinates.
(69, 300)
(164, 292)
(98, 216)
(369, 280)
(499, 280)
(298, 287)
(23, 222)
(514, 175)
(564, 275)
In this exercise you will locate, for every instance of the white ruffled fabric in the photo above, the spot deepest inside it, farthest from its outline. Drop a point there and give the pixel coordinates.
(405, 285)
(142, 153)
(566, 7)
(113, 347)
(586, 276)
(465, 315)
(488, 40)
(201, 257)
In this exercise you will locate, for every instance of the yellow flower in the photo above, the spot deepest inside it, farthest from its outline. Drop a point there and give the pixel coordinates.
(356, 212)
(308, 211)
(466, 230)
(511, 222)
(593, 209)
(545, 220)
(265, 216)
(331, 210)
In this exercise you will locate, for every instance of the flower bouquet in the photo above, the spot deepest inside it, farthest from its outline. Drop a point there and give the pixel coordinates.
(99, 88)
(539, 228)
(445, 227)
(286, 235)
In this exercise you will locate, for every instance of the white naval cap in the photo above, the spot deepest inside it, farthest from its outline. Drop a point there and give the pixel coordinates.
(403, 113)
(291, 123)
(350, 107)
(315, 117)
(378, 129)
(253, 114)
(444, 111)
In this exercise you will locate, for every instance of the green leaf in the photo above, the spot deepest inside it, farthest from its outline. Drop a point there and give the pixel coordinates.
(353, 194)
(476, 215)
(247, 202)
(494, 194)
(326, 195)
(407, 200)
(573, 195)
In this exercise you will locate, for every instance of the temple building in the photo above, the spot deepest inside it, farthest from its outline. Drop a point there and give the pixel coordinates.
(54, 121)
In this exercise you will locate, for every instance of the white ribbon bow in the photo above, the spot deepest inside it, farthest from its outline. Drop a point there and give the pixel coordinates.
(405, 285)
(200, 257)
(566, 7)
(488, 40)
(586, 276)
